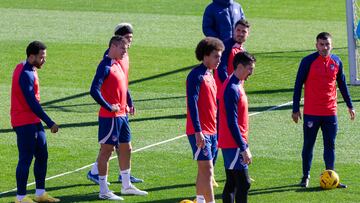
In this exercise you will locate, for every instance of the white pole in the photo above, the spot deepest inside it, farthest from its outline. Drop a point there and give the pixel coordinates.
(351, 42)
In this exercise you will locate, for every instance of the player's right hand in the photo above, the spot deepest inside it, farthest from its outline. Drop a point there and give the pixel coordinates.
(54, 128)
(115, 108)
(200, 140)
(296, 116)
(352, 114)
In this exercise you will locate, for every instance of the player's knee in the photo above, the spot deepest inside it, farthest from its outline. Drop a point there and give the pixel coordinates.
(25, 160)
(205, 169)
(42, 154)
(125, 147)
(42, 158)
(106, 151)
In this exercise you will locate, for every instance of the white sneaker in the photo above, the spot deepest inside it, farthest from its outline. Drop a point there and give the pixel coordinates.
(132, 190)
(110, 196)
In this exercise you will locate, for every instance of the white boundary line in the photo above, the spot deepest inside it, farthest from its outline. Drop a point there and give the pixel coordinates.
(141, 149)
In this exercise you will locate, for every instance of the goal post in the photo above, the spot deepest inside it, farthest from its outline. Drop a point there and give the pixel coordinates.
(352, 19)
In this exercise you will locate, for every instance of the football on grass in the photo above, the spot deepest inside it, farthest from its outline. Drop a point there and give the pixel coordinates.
(329, 179)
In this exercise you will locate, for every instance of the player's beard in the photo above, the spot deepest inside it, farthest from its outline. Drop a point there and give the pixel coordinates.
(38, 64)
(240, 39)
(325, 53)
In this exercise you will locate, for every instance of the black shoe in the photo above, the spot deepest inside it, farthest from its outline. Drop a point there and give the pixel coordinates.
(341, 185)
(304, 181)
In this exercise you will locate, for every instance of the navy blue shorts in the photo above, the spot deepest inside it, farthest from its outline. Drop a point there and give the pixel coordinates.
(233, 159)
(114, 130)
(208, 152)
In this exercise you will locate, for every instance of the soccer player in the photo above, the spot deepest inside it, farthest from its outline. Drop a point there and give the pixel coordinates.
(201, 114)
(26, 115)
(219, 18)
(109, 89)
(233, 46)
(319, 72)
(234, 130)
(125, 30)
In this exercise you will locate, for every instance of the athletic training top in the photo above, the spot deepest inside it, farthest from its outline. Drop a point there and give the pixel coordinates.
(25, 97)
(233, 115)
(320, 74)
(201, 101)
(109, 87)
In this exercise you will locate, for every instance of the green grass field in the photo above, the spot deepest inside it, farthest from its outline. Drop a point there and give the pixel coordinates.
(166, 33)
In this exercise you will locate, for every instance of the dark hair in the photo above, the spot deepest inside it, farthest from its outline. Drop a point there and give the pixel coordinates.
(117, 39)
(242, 22)
(206, 46)
(34, 48)
(123, 29)
(243, 58)
(323, 36)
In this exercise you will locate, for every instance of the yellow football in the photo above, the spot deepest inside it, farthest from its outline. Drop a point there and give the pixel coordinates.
(186, 201)
(329, 179)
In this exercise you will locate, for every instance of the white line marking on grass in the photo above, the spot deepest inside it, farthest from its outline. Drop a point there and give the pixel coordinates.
(143, 148)
(272, 108)
(87, 166)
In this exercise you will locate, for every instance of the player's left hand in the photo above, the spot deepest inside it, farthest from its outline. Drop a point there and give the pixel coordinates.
(54, 128)
(247, 156)
(296, 116)
(132, 110)
(352, 114)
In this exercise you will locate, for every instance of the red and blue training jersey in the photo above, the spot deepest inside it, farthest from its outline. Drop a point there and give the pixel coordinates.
(109, 87)
(235, 49)
(233, 115)
(319, 75)
(201, 101)
(226, 66)
(125, 64)
(25, 97)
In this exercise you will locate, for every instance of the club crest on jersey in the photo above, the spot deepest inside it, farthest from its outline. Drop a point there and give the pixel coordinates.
(332, 67)
(310, 124)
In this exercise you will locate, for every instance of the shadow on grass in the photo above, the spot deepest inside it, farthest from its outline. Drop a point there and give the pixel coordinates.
(268, 108)
(309, 189)
(169, 187)
(277, 189)
(48, 189)
(130, 83)
(95, 123)
(270, 91)
(63, 108)
(94, 196)
(292, 51)
(170, 200)
(175, 200)
(160, 98)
